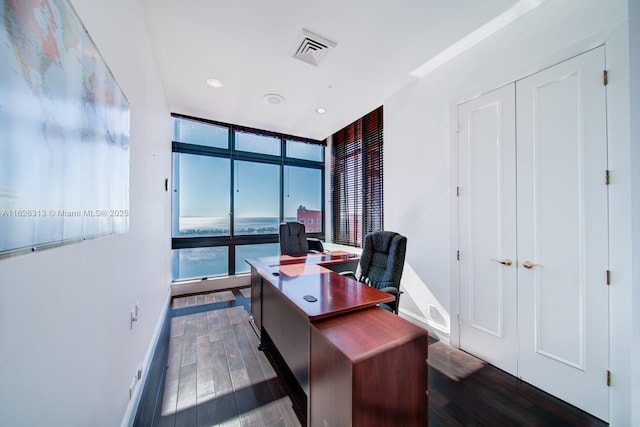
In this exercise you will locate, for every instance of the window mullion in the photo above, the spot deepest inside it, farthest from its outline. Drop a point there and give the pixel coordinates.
(204, 139)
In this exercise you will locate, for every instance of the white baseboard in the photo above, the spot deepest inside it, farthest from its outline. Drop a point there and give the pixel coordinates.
(134, 402)
(211, 284)
(434, 329)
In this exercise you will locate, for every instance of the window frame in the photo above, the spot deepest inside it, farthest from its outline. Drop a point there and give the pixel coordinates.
(232, 241)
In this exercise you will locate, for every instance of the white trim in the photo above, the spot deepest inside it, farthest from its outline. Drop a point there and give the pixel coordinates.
(454, 280)
(134, 402)
(441, 331)
(210, 284)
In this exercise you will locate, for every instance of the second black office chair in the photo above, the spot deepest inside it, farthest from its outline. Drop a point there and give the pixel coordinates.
(294, 240)
(381, 264)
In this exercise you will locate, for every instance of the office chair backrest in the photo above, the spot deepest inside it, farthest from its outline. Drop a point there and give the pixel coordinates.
(382, 259)
(293, 239)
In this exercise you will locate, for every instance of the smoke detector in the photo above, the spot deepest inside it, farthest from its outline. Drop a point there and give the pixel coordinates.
(311, 48)
(273, 99)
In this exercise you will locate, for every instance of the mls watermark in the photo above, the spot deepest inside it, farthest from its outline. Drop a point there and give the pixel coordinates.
(66, 213)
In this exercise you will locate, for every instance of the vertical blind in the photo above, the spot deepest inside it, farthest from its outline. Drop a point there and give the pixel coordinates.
(357, 179)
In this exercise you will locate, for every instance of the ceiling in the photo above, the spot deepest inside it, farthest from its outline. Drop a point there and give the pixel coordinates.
(248, 45)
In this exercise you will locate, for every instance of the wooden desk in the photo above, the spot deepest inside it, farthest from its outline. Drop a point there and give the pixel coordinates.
(335, 293)
(278, 288)
(279, 308)
(289, 268)
(368, 368)
(327, 259)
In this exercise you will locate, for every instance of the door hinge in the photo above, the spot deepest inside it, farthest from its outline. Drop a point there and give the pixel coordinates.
(609, 378)
(457, 191)
(608, 277)
(606, 177)
(459, 320)
(458, 255)
(605, 77)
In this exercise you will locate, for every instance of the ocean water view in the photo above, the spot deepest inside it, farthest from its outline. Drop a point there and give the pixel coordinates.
(193, 263)
(220, 226)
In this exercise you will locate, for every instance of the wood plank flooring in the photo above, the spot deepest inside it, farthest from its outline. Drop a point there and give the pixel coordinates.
(211, 373)
(215, 374)
(465, 391)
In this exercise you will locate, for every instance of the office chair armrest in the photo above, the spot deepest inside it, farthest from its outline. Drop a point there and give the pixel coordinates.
(315, 245)
(391, 290)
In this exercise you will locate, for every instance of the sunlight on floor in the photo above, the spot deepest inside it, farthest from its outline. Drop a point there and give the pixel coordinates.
(454, 363)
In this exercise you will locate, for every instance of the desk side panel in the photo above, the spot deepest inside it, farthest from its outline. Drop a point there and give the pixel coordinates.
(390, 389)
(256, 301)
(288, 328)
(330, 376)
(364, 374)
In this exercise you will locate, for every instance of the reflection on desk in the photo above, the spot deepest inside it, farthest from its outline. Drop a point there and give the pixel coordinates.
(324, 258)
(335, 293)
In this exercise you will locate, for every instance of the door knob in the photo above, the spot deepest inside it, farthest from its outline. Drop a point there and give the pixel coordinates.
(505, 261)
(529, 265)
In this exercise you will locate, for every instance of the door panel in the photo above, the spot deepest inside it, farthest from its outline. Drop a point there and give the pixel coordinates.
(562, 226)
(486, 137)
(532, 161)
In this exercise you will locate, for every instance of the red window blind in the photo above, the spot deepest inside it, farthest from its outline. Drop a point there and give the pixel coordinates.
(357, 179)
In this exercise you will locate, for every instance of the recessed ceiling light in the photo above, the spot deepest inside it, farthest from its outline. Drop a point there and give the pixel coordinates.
(321, 110)
(273, 99)
(215, 83)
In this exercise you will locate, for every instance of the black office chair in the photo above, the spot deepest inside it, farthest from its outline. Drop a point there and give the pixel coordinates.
(381, 264)
(294, 240)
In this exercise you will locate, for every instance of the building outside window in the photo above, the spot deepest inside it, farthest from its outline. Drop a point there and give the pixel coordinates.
(308, 216)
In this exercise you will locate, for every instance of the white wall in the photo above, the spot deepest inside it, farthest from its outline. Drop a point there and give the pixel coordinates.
(67, 355)
(634, 159)
(420, 161)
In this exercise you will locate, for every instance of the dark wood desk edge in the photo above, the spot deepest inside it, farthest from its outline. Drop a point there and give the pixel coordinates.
(302, 259)
(346, 310)
(411, 332)
(266, 272)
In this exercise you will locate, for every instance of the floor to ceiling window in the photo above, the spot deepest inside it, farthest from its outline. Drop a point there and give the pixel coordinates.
(232, 186)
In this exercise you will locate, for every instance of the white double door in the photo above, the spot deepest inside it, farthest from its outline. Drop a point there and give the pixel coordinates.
(533, 230)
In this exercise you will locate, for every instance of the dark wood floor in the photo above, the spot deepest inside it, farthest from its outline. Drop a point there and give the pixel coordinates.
(209, 372)
(465, 391)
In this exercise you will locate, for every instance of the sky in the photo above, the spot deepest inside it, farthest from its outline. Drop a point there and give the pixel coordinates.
(204, 182)
(204, 187)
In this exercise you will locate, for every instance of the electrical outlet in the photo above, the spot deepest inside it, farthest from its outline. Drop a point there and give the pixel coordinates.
(132, 386)
(433, 313)
(134, 315)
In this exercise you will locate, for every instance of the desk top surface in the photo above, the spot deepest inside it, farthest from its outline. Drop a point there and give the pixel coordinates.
(323, 258)
(334, 293)
(368, 332)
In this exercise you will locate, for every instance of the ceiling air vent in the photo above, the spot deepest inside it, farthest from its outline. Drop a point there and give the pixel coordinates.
(311, 47)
